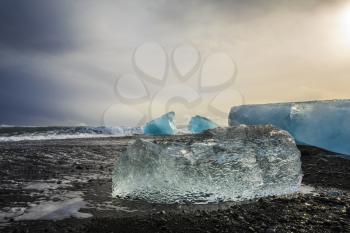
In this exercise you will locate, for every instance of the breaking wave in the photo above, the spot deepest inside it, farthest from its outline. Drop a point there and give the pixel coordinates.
(21, 133)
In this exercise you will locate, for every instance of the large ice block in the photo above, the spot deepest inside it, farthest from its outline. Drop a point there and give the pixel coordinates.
(163, 125)
(199, 124)
(324, 124)
(233, 163)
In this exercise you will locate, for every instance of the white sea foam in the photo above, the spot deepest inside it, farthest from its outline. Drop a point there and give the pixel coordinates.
(14, 133)
(48, 137)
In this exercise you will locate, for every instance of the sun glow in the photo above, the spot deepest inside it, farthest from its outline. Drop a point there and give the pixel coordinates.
(345, 24)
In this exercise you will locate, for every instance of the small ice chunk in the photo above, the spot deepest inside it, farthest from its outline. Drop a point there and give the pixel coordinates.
(47, 210)
(164, 125)
(199, 124)
(233, 163)
(58, 210)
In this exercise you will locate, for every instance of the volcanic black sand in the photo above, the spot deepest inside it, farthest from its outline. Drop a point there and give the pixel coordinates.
(63, 174)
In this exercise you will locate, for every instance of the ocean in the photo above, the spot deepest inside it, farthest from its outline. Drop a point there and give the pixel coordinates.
(21, 133)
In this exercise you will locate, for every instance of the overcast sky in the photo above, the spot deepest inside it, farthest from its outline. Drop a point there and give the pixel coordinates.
(59, 60)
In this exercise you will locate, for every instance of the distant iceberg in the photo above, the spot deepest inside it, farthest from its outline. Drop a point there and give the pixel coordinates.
(325, 124)
(198, 124)
(164, 125)
(226, 164)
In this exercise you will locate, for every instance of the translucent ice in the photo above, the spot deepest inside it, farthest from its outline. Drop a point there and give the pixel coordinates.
(199, 124)
(163, 125)
(323, 124)
(233, 163)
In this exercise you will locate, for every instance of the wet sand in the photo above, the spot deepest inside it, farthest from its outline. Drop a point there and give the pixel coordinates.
(74, 176)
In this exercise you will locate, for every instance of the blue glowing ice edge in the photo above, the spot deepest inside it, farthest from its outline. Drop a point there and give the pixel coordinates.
(323, 124)
(199, 124)
(164, 125)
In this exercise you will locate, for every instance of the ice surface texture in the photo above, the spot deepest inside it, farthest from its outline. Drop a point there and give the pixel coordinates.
(163, 125)
(324, 124)
(233, 163)
(199, 124)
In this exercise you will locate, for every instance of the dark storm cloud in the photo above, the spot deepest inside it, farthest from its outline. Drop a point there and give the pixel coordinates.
(40, 25)
(59, 58)
(234, 10)
(27, 97)
(28, 29)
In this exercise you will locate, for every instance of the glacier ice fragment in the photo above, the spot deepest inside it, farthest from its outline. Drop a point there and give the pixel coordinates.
(324, 124)
(222, 164)
(199, 124)
(163, 125)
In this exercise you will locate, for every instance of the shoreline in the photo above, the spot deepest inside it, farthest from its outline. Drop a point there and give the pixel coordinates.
(81, 168)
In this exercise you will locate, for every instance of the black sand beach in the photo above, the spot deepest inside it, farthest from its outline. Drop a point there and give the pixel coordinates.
(46, 173)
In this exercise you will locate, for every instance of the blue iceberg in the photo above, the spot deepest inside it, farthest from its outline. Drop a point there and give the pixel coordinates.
(323, 124)
(199, 124)
(163, 125)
